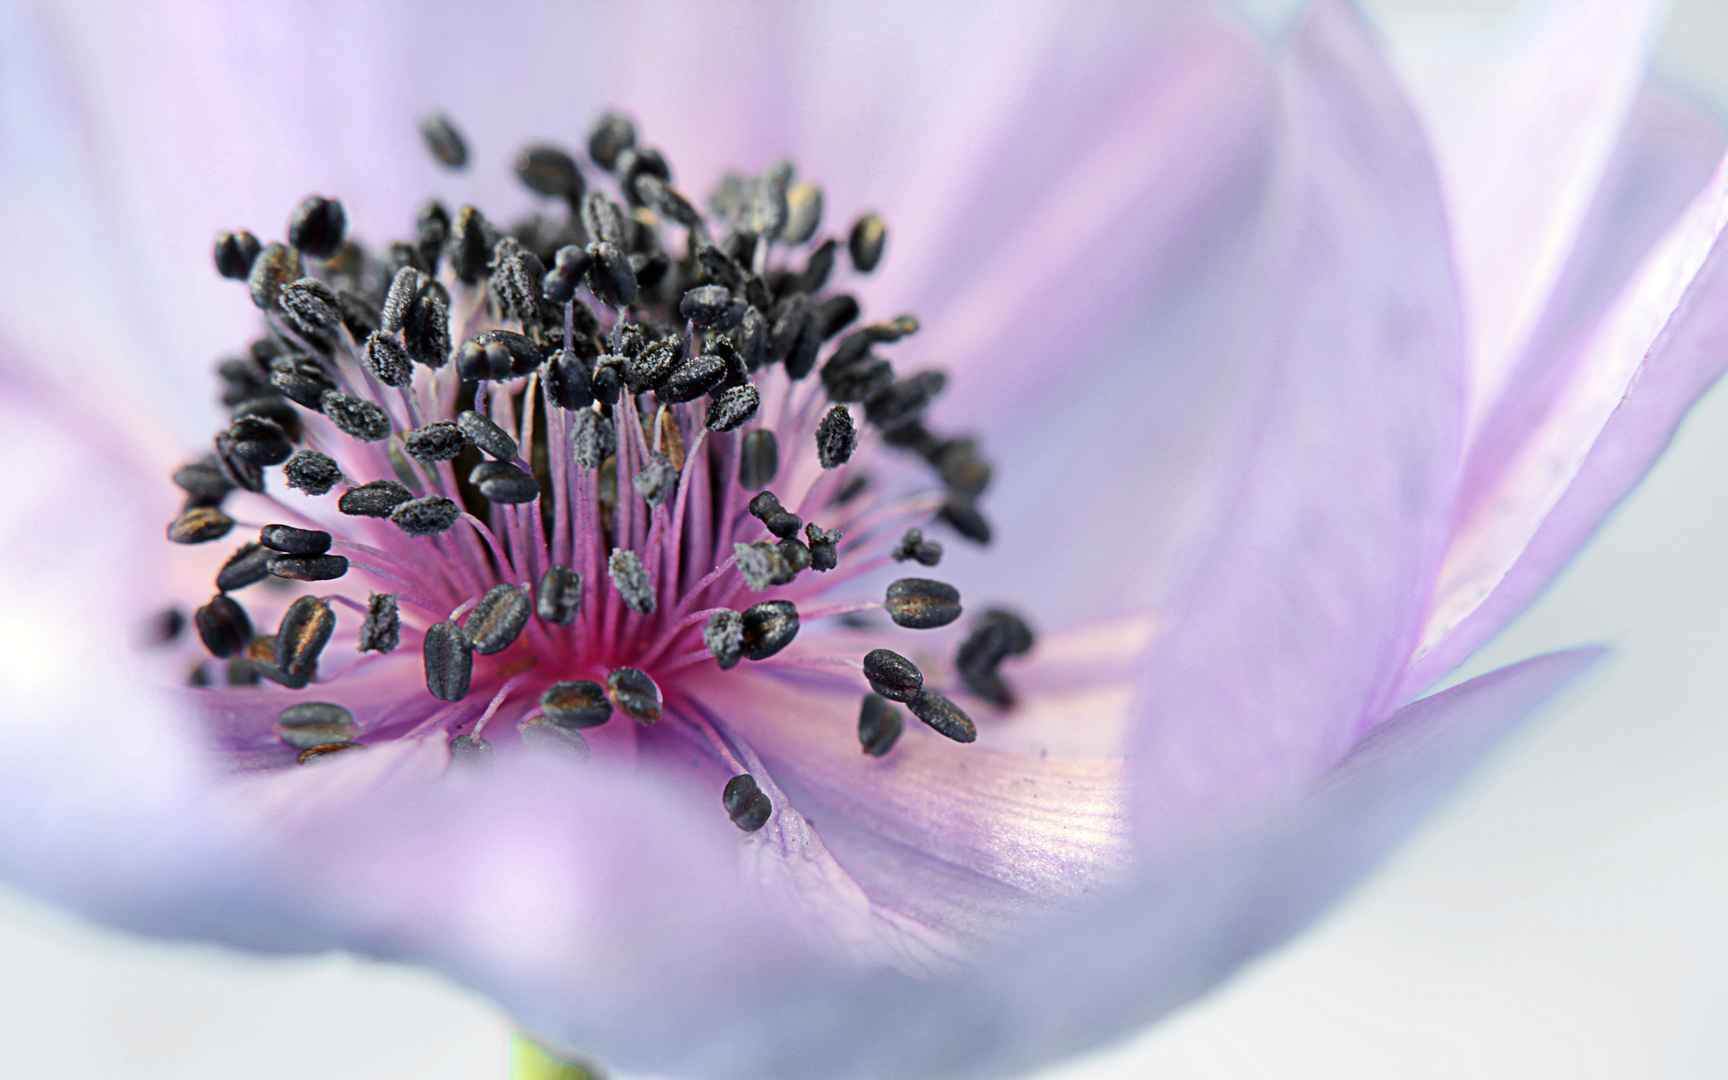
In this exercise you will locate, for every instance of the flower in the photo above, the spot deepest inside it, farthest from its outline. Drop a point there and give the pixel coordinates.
(1368, 423)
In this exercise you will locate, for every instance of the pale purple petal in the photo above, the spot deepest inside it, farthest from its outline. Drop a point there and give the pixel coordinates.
(1635, 379)
(1332, 508)
(1551, 95)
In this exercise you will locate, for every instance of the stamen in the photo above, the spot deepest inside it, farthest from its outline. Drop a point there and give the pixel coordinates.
(631, 580)
(502, 482)
(444, 141)
(576, 704)
(765, 507)
(943, 716)
(497, 620)
(745, 804)
(223, 626)
(387, 360)
(377, 499)
(259, 440)
(866, 241)
(486, 435)
(724, 637)
(559, 596)
(382, 630)
(892, 675)
(914, 547)
(635, 693)
(426, 516)
(308, 567)
(249, 565)
(448, 656)
(922, 604)
(758, 459)
(305, 629)
(292, 541)
(199, 525)
(317, 226)
(879, 725)
(315, 723)
(592, 440)
(234, 254)
(311, 472)
(769, 627)
(836, 438)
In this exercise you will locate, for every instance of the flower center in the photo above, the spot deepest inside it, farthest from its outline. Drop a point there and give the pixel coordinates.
(559, 469)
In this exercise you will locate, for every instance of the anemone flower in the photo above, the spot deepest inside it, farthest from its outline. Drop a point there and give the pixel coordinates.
(905, 543)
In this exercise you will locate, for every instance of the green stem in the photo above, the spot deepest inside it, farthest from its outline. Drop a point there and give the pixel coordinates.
(530, 1061)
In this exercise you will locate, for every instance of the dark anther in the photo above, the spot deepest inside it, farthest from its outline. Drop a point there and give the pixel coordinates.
(199, 524)
(517, 274)
(724, 636)
(375, 499)
(652, 366)
(498, 618)
(693, 378)
(879, 725)
(635, 693)
(356, 417)
(223, 626)
(567, 380)
(275, 266)
(202, 482)
(913, 546)
(308, 567)
(962, 468)
(945, 717)
(963, 516)
(656, 481)
(824, 547)
(745, 804)
(637, 162)
(382, 630)
(611, 277)
(315, 723)
(470, 750)
(903, 401)
(388, 361)
(317, 225)
(892, 675)
(762, 565)
(612, 134)
(310, 471)
(249, 565)
(705, 304)
(650, 269)
(292, 541)
(441, 440)
(922, 604)
(559, 595)
(836, 437)
(485, 434)
(667, 201)
(733, 407)
(431, 233)
(857, 379)
(592, 438)
(549, 171)
(603, 220)
(818, 268)
(502, 482)
(427, 331)
(835, 314)
(577, 703)
(399, 300)
(301, 636)
(234, 254)
(301, 380)
(449, 659)
(559, 284)
(719, 266)
(472, 239)
(630, 578)
(236, 469)
(803, 213)
(765, 507)
(769, 627)
(318, 753)
(865, 242)
(428, 515)
(272, 406)
(166, 626)
(540, 734)
(796, 554)
(258, 440)
(444, 141)
(758, 459)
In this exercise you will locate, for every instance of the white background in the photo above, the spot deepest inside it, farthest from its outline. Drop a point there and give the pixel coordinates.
(1563, 918)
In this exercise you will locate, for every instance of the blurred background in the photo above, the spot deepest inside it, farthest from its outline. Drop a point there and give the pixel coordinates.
(1564, 917)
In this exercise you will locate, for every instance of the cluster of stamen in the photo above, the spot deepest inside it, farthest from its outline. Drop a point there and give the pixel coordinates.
(558, 449)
